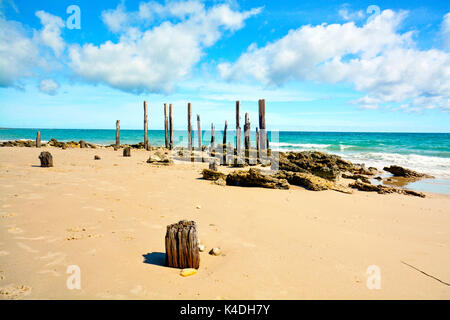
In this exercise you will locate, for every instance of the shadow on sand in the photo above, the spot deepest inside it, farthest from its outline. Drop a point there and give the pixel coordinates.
(155, 258)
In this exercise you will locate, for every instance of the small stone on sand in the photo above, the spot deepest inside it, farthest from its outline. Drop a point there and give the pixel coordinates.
(215, 252)
(188, 272)
(201, 247)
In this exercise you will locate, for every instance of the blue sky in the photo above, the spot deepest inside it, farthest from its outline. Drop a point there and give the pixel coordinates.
(320, 65)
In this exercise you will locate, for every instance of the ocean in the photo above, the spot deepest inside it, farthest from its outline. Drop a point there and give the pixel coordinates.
(424, 152)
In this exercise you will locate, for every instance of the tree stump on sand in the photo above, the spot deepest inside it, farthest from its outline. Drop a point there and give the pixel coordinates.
(127, 152)
(46, 159)
(182, 245)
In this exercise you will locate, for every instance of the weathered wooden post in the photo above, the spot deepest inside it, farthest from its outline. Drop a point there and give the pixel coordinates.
(166, 134)
(224, 147)
(127, 152)
(171, 126)
(257, 144)
(212, 141)
(46, 159)
(199, 130)
(262, 124)
(118, 134)
(182, 245)
(145, 127)
(189, 127)
(247, 136)
(238, 129)
(38, 139)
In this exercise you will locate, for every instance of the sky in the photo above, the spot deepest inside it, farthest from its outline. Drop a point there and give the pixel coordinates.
(375, 66)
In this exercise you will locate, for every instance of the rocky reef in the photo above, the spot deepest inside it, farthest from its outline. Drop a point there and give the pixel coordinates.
(363, 186)
(310, 181)
(160, 157)
(52, 143)
(311, 170)
(398, 171)
(254, 178)
(327, 166)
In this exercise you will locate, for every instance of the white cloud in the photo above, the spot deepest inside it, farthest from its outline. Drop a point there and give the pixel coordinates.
(153, 59)
(49, 86)
(445, 28)
(18, 53)
(115, 19)
(50, 35)
(375, 58)
(348, 15)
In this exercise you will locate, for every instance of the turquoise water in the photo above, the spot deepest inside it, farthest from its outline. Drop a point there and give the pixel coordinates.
(424, 152)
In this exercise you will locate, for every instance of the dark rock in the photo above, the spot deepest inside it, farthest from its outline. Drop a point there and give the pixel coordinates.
(355, 177)
(358, 184)
(213, 175)
(127, 152)
(327, 166)
(254, 178)
(310, 181)
(96, 157)
(55, 143)
(139, 145)
(160, 157)
(46, 159)
(398, 171)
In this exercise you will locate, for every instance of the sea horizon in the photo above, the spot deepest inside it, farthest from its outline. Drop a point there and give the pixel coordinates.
(424, 152)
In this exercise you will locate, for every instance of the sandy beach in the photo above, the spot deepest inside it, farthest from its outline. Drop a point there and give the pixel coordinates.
(109, 217)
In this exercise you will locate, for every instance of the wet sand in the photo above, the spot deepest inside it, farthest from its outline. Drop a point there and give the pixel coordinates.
(109, 216)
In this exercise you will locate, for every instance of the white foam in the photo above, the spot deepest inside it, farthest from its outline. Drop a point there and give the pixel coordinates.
(279, 145)
(436, 166)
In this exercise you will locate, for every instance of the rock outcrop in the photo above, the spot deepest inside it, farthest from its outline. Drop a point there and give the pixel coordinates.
(356, 177)
(310, 181)
(213, 175)
(321, 164)
(358, 184)
(254, 178)
(398, 171)
(160, 157)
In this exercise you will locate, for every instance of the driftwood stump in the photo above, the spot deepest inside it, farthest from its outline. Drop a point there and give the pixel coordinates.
(46, 159)
(182, 245)
(127, 152)
(83, 144)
